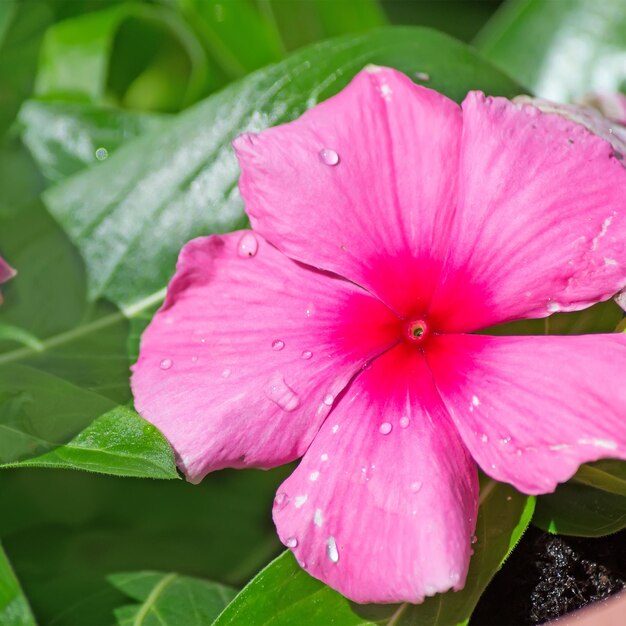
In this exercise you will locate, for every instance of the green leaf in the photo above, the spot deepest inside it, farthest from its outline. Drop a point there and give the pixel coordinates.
(72, 372)
(77, 53)
(14, 608)
(592, 504)
(559, 50)
(239, 37)
(67, 531)
(47, 422)
(284, 594)
(307, 21)
(130, 216)
(65, 137)
(169, 599)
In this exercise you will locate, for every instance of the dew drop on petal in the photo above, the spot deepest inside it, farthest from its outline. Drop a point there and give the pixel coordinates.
(329, 399)
(474, 539)
(306, 355)
(313, 476)
(226, 373)
(416, 486)
(277, 345)
(335, 428)
(310, 309)
(324, 457)
(329, 157)
(102, 154)
(292, 542)
(166, 364)
(331, 549)
(318, 520)
(385, 428)
(281, 499)
(404, 422)
(281, 394)
(300, 500)
(484, 438)
(248, 246)
(194, 359)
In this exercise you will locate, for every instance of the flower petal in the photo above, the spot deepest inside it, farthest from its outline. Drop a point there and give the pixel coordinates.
(369, 176)
(240, 366)
(541, 221)
(384, 503)
(6, 273)
(532, 409)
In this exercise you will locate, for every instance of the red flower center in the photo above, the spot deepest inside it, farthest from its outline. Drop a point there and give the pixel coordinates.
(416, 330)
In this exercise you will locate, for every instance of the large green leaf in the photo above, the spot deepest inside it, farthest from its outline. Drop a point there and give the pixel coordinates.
(307, 21)
(284, 594)
(559, 50)
(65, 137)
(592, 504)
(130, 216)
(71, 371)
(67, 531)
(169, 599)
(239, 37)
(14, 608)
(47, 422)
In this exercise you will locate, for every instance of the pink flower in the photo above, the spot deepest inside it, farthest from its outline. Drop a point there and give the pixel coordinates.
(390, 224)
(6, 273)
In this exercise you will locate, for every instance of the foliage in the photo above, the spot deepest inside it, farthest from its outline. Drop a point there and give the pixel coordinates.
(116, 121)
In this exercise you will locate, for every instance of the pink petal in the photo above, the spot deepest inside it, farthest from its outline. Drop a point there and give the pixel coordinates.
(384, 503)
(541, 221)
(6, 273)
(532, 409)
(241, 365)
(369, 176)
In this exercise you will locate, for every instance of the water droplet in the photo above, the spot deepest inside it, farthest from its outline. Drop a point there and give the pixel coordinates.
(313, 476)
(166, 364)
(484, 438)
(367, 365)
(317, 518)
(283, 395)
(385, 428)
(292, 542)
(404, 422)
(281, 499)
(475, 400)
(329, 157)
(300, 500)
(102, 154)
(331, 549)
(310, 309)
(324, 457)
(416, 486)
(329, 399)
(278, 345)
(474, 539)
(307, 354)
(194, 359)
(553, 307)
(248, 246)
(505, 440)
(226, 373)
(335, 428)
(423, 76)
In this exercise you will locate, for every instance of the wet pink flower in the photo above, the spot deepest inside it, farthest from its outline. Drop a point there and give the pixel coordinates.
(389, 224)
(6, 273)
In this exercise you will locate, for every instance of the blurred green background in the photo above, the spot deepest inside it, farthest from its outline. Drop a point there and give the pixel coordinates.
(108, 71)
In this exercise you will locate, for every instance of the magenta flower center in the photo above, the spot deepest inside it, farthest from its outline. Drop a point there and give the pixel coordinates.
(416, 330)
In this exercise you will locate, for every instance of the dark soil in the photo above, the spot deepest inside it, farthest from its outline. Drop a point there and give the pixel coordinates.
(550, 575)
